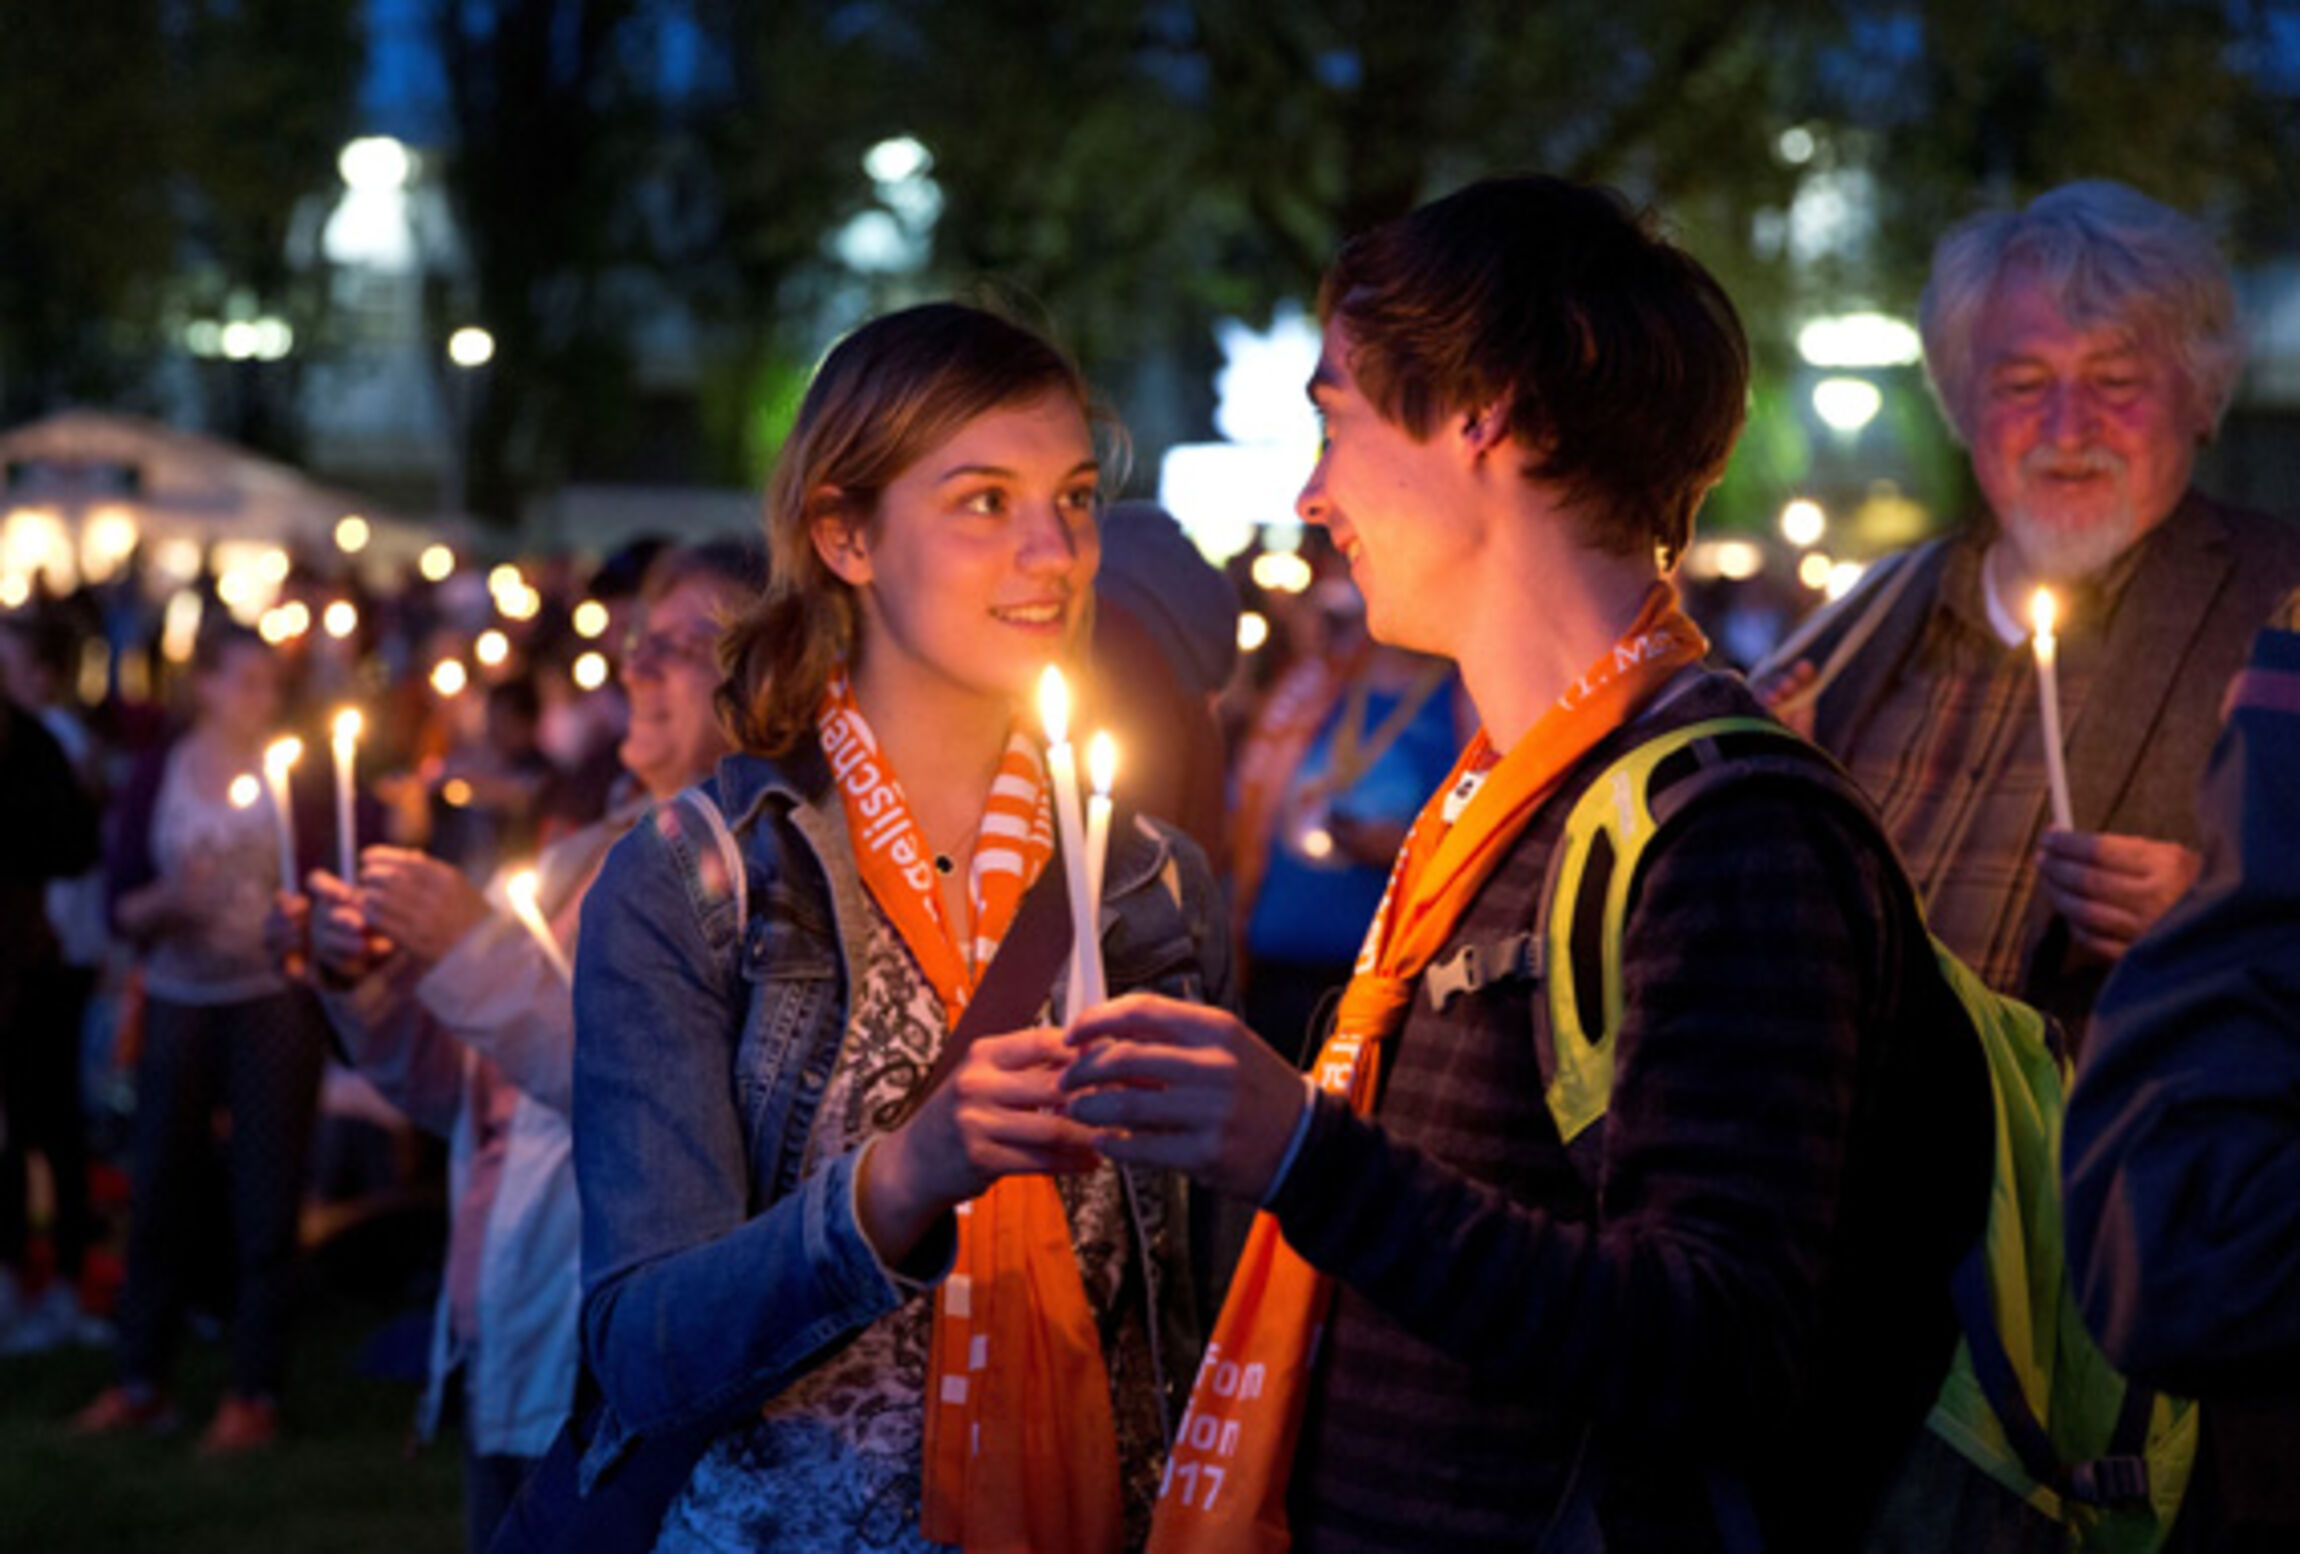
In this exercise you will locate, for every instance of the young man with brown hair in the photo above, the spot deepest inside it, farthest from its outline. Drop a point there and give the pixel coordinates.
(1721, 1311)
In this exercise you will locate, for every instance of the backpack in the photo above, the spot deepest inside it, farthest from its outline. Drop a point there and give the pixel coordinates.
(2091, 1462)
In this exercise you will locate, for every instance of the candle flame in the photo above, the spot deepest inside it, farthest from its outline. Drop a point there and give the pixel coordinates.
(1102, 763)
(2043, 611)
(521, 887)
(281, 754)
(348, 723)
(245, 790)
(1054, 705)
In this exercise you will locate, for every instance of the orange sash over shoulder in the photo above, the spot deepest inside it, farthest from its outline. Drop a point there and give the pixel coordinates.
(1021, 1452)
(1225, 1485)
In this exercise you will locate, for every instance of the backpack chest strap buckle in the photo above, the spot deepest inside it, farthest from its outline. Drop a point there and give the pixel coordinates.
(1477, 966)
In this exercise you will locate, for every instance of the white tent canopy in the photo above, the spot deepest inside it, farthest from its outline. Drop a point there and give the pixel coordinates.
(83, 488)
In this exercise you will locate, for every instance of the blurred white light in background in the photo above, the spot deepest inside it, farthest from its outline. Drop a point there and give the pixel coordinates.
(239, 340)
(340, 619)
(180, 626)
(1847, 404)
(436, 562)
(591, 670)
(352, 534)
(1803, 523)
(177, 560)
(244, 791)
(295, 617)
(1813, 570)
(874, 243)
(1796, 145)
(1225, 493)
(204, 337)
(524, 605)
(1281, 572)
(1253, 630)
(273, 339)
(894, 159)
(505, 578)
(107, 539)
(492, 648)
(1222, 493)
(1261, 388)
(1843, 576)
(273, 565)
(471, 346)
(273, 627)
(448, 677)
(34, 540)
(15, 590)
(1735, 559)
(590, 618)
(1854, 340)
(374, 164)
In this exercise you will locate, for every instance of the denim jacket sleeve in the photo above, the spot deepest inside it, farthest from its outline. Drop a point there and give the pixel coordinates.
(699, 1302)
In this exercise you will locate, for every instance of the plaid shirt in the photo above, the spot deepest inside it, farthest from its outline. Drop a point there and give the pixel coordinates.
(1954, 758)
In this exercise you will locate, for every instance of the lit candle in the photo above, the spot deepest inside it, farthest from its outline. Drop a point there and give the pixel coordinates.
(347, 726)
(1102, 770)
(521, 888)
(279, 756)
(2043, 610)
(1062, 765)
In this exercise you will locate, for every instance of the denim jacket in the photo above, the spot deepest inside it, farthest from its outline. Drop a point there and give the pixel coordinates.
(714, 1273)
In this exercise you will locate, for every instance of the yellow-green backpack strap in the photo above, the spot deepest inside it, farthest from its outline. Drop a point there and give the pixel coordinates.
(1585, 904)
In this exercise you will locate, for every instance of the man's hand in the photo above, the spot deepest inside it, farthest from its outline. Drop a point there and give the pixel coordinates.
(1185, 1087)
(1788, 694)
(419, 903)
(344, 946)
(999, 1113)
(2112, 888)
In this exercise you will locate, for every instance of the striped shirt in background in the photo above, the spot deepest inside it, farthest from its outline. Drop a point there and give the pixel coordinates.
(1954, 758)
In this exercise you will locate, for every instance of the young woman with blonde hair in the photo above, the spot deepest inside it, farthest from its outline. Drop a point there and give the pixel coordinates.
(906, 1305)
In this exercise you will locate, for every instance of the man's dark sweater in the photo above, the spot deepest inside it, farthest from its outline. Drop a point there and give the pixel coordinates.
(1756, 1313)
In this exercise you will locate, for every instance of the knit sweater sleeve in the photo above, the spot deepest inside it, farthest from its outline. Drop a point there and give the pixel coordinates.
(1755, 955)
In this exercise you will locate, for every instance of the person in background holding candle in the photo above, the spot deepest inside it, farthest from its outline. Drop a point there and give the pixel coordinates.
(774, 1264)
(2082, 349)
(1720, 1317)
(192, 877)
(442, 997)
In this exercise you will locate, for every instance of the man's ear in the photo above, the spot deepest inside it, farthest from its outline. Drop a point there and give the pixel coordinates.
(1486, 427)
(839, 537)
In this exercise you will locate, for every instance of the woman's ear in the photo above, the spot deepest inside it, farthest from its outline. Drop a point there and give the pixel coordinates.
(839, 537)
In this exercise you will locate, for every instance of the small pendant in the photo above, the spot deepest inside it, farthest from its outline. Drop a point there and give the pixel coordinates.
(942, 864)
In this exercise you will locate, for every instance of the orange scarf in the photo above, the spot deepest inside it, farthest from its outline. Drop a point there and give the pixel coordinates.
(1021, 1451)
(1225, 1484)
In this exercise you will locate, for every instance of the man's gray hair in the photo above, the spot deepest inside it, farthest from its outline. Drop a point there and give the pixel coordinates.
(2109, 255)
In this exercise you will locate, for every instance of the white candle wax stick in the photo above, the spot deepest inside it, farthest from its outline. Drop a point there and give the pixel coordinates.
(1102, 768)
(521, 889)
(1062, 768)
(1085, 952)
(279, 756)
(347, 726)
(2042, 612)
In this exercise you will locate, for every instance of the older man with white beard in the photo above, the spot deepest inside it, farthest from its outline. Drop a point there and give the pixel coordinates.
(2082, 349)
